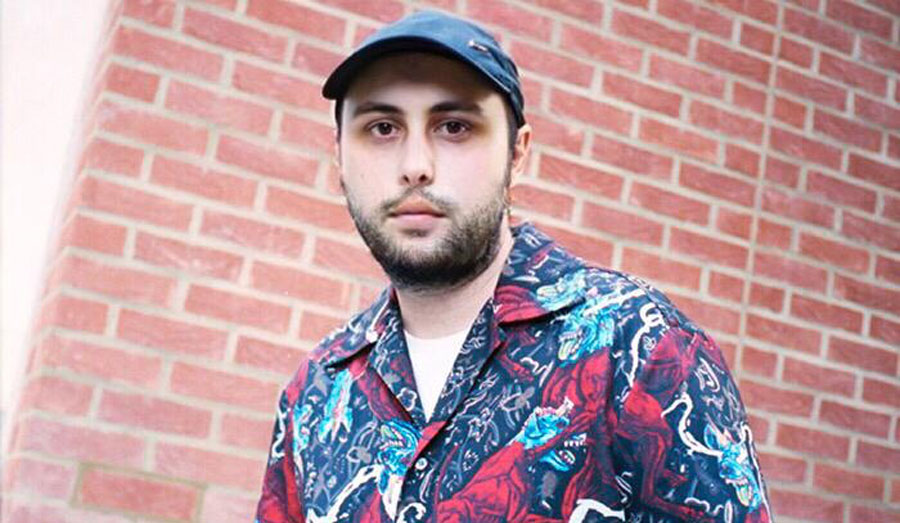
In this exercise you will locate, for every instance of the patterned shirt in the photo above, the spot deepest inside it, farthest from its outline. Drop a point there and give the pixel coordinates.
(580, 394)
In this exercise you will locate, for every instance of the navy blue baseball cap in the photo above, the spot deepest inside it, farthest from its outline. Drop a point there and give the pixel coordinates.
(435, 32)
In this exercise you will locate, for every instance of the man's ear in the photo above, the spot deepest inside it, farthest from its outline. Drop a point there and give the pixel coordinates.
(521, 150)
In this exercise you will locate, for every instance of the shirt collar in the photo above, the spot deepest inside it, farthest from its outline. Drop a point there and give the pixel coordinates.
(539, 278)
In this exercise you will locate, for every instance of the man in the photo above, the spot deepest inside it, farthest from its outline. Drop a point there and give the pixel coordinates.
(498, 378)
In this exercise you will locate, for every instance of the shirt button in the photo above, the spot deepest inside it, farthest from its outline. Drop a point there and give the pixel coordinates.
(371, 336)
(421, 463)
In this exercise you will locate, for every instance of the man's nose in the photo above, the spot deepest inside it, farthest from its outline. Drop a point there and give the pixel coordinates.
(417, 166)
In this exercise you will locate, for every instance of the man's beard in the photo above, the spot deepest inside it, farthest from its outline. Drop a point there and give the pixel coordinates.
(466, 250)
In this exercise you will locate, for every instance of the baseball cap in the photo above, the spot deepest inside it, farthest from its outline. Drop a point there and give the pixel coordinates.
(435, 32)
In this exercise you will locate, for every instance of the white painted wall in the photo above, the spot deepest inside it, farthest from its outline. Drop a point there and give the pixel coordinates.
(48, 47)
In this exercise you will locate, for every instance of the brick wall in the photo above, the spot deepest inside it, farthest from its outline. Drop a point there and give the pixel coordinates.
(744, 155)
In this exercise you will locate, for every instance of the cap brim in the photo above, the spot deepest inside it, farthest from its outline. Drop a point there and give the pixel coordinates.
(337, 83)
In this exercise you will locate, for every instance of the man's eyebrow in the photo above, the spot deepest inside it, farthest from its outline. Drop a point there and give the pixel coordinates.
(443, 107)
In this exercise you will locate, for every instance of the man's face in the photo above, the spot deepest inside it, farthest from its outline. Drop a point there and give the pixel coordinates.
(425, 166)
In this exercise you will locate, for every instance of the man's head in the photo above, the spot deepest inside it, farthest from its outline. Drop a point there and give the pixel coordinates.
(426, 147)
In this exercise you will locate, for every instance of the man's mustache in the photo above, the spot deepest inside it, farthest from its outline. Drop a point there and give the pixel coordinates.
(443, 205)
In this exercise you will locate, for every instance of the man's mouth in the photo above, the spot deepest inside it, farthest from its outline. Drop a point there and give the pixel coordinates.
(415, 206)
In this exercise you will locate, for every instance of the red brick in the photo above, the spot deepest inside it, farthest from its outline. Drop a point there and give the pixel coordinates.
(254, 234)
(591, 12)
(51, 438)
(157, 12)
(885, 329)
(783, 334)
(131, 82)
(687, 142)
(888, 269)
(847, 131)
(631, 158)
(742, 160)
(658, 268)
(863, 356)
(796, 208)
(759, 427)
(224, 505)
(854, 419)
(686, 76)
(716, 119)
(852, 74)
(790, 112)
(847, 482)
(749, 98)
(724, 286)
(818, 377)
(590, 111)
(551, 64)
(891, 209)
(207, 466)
(882, 392)
(269, 161)
(811, 5)
(306, 133)
(621, 224)
(668, 203)
(653, 33)
(762, 10)
(782, 468)
(877, 113)
(790, 271)
(233, 35)
(733, 223)
(110, 365)
(132, 203)
(88, 233)
(384, 10)
(826, 314)
(302, 208)
(214, 185)
(588, 247)
(565, 136)
(138, 410)
(599, 47)
(696, 16)
(817, 30)
(759, 361)
(732, 61)
(771, 298)
(223, 387)
(891, 6)
(877, 53)
(841, 192)
(56, 395)
(166, 53)
(813, 442)
(277, 86)
(708, 249)
(795, 52)
(349, 259)
(757, 39)
(244, 310)
(151, 128)
(711, 316)
(874, 171)
(717, 185)
(278, 358)
(170, 335)
(223, 110)
(187, 257)
(576, 175)
(860, 514)
(782, 172)
(834, 253)
(40, 478)
(138, 494)
(804, 86)
(244, 432)
(642, 94)
(848, 13)
(305, 21)
(224, 4)
(127, 284)
(315, 326)
(112, 157)
(511, 18)
(771, 399)
(287, 281)
(865, 230)
(878, 457)
(806, 507)
(315, 60)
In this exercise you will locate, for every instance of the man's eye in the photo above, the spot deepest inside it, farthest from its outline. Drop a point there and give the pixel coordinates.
(454, 127)
(382, 129)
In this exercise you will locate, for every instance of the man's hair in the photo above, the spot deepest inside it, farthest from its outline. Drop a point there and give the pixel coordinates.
(511, 126)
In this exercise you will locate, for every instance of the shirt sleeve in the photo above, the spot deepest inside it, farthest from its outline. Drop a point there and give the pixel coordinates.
(682, 443)
(280, 501)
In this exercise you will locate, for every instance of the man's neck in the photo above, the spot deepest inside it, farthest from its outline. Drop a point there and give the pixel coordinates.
(432, 314)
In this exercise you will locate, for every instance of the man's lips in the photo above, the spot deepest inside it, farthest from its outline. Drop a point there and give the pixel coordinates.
(415, 206)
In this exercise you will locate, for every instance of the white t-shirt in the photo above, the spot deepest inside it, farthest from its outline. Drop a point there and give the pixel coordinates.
(432, 360)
